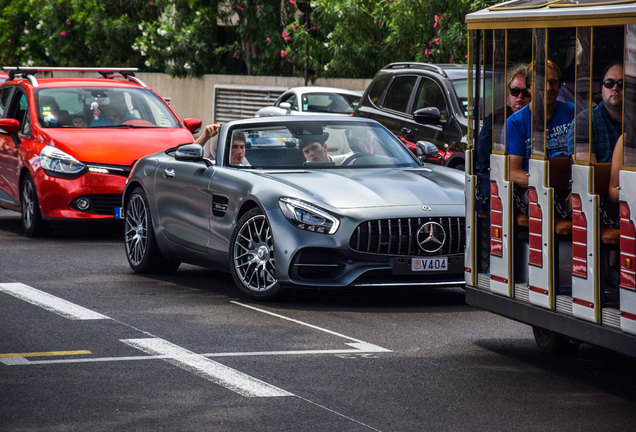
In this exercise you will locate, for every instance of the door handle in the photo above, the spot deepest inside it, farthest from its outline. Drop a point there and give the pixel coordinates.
(406, 131)
(168, 173)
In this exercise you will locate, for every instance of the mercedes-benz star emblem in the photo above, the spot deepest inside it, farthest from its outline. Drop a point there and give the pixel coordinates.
(431, 237)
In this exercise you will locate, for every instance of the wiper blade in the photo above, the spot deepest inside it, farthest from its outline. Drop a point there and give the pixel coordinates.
(123, 126)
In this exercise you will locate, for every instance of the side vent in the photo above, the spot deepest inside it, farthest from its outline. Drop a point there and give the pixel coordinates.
(219, 205)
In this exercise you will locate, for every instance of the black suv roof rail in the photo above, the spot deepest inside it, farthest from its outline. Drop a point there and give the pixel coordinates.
(28, 72)
(415, 65)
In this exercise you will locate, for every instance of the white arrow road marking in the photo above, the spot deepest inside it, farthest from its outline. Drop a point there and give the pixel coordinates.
(227, 377)
(50, 302)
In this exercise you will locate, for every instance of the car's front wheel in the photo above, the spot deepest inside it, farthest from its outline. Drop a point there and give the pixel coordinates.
(142, 251)
(252, 256)
(32, 222)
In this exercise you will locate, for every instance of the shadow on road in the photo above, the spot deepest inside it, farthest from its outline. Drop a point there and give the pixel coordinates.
(609, 371)
(405, 298)
(67, 230)
(218, 282)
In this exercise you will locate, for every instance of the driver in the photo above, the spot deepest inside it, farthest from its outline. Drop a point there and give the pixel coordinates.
(114, 113)
(314, 149)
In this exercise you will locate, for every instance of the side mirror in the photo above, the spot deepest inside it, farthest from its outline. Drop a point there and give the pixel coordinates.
(189, 152)
(286, 106)
(427, 151)
(430, 115)
(192, 124)
(9, 126)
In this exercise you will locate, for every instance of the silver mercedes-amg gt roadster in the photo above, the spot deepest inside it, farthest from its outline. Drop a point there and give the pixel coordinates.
(298, 201)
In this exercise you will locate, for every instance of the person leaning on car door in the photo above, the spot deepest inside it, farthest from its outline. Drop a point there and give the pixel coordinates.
(237, 156)
(210, 131)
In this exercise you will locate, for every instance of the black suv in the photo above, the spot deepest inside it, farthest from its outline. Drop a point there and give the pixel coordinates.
(422, 102)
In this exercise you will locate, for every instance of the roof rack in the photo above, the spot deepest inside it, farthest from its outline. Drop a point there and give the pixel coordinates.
(28, 72)
(415, 65)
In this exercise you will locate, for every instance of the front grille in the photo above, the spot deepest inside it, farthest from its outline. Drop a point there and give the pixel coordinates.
(103, 204)
(399, 236)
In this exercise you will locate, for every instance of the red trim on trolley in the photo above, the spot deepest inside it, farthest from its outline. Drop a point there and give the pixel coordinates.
(627, 249)
(535, 240)
(496, 221)
(539, 290)
(627, 315)
(498, 279)
(579, 238)
(584, 303)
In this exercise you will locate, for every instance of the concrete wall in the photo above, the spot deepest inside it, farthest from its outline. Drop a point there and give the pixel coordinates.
(194, 97)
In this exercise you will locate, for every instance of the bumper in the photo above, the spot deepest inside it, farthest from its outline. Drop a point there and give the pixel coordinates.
(344, 267)
(57, 196)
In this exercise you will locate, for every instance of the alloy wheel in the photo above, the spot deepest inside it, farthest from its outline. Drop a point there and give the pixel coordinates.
(136, 229)
(253, 255)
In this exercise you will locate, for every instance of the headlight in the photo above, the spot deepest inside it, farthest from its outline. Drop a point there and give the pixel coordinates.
(307, 216)
(56, 162)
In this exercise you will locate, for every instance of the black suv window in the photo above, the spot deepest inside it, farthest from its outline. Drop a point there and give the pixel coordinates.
(429, 94)
(399, 93)
(375, 92)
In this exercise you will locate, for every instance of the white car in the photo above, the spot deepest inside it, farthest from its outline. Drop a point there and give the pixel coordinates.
(313, 100)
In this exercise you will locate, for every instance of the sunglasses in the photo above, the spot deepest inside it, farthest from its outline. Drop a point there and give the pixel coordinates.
(609, 83)
(516, 91)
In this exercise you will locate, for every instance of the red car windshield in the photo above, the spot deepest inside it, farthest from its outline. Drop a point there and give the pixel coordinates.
(102, 107)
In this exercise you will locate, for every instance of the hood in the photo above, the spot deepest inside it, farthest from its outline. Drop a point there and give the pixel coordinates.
(114, 146)
(356, 188)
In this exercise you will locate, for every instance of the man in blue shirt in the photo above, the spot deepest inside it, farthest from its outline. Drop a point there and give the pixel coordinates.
(558, 115)
(606, 118)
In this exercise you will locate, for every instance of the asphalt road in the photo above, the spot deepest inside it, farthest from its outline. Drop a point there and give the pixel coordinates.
(86, 344)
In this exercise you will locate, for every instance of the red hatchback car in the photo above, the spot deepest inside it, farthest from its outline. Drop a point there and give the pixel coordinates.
(67, 145)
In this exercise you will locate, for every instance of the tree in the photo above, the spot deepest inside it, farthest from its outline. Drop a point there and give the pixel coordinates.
(317, 38)
(77, 33)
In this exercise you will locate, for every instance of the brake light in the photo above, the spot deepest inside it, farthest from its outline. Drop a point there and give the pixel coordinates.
(496, 221)
(579, 238)
(628, 249)
(535, 237)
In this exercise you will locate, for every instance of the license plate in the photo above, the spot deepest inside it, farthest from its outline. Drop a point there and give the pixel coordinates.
(429, 264)
(118, 214)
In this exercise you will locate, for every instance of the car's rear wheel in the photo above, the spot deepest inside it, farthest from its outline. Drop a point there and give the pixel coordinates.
(252, 256)
(142, 250)
(32, 222)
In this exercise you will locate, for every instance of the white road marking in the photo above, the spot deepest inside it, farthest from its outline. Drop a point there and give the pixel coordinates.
(227, 377)
(358, 342)
(156, 348)
(50, 302)
(361, 350)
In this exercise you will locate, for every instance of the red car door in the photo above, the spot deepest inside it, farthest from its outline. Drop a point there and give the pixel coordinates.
(12, 104)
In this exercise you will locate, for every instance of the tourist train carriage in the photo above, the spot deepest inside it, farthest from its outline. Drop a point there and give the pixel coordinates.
(567, 270)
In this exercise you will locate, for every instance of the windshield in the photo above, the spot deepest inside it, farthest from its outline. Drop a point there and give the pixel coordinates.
(329, 103)
(103, 107)
(316, 144)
